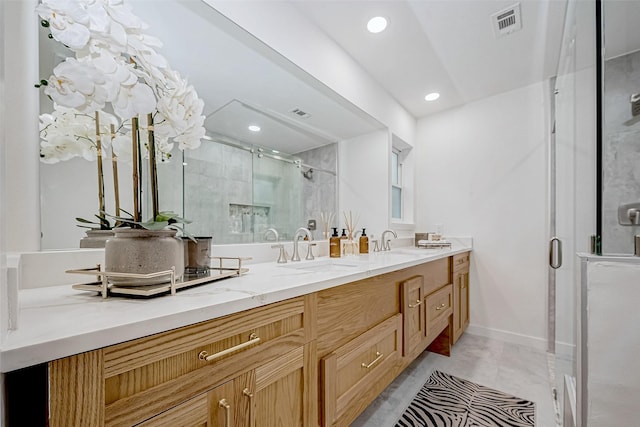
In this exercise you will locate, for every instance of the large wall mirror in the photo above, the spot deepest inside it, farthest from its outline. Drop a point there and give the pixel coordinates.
(239, 182)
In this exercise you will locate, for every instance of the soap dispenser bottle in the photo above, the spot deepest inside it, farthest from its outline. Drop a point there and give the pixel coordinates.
(364, 242)
(334, 244)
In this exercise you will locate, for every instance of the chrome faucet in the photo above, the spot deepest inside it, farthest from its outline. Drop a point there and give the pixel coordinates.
(299, 233)
(282, 256)
(386, 246)
(270, 231)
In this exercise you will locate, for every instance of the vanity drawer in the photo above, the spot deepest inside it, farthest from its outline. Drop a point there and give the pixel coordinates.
(150, 375)
(436, 274)
(461, 261)
(351, 372)
(439, 306)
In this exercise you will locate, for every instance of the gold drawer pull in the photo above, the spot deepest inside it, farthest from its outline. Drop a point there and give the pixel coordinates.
(418, 302)
(247, 393)
(227, 412)
(253, 339)
(441, 306)
(376, 360)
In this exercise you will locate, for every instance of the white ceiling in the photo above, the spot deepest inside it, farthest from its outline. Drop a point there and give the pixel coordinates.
(444, 46)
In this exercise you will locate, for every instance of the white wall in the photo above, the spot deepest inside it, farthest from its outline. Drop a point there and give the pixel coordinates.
(363, 187)
(3, 181)
(482, 172)
(281, 26)
(21, 121)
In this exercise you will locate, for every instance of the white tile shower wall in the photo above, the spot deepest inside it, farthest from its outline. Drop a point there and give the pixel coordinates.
(621, 151)
(216, 175)
(219, 178)
(484, 176)
(320, 190)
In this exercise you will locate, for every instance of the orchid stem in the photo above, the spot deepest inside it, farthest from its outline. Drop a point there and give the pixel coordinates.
(114, 164)
(103, 220)
(135, 162)
(153, 169)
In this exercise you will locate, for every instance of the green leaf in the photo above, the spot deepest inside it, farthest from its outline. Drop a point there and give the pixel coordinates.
(85, 221)
(154, 225)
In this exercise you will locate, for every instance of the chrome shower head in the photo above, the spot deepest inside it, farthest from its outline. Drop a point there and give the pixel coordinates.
(635, 104)
(308, 174)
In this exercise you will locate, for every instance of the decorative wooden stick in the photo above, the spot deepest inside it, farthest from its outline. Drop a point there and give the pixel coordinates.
(101, 212)
(153, 169)
(135, 165)
(114, 164)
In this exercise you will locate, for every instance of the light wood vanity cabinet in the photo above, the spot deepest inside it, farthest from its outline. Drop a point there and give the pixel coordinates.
(413, 300)
(315, 360)
(352, 369)
(260, 360)
(427, 305)
(460, 279)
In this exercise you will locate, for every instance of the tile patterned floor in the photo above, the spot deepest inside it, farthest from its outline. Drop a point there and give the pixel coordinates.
(511, 368)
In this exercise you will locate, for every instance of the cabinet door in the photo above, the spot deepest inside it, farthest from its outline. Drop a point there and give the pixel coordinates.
(357, 372)
(413, 324)
(464, 300)
(215, 408)
(457, 314)
(285, 392)
(439, 306)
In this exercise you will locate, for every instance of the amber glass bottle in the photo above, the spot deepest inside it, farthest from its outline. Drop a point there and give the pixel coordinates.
(334, 244)
(364, 243)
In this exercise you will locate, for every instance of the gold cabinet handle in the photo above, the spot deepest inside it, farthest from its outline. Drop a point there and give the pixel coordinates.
(376, 360)
(441, 306)
(418, 302)
(247, 393)
(253, 339)
(227, 412)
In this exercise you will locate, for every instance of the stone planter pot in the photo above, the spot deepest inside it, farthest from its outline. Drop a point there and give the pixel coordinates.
(96, 238)
(142, 251)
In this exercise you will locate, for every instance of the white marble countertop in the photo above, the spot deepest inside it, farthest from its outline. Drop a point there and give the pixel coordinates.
(59, 321)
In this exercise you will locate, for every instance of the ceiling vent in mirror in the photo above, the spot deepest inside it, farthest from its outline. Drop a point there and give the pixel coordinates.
(302, 114)
(506, 21)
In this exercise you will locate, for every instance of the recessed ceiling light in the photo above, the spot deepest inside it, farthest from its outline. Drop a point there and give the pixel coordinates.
(254, 128)
(432, 96)
(377, 24)
(275, 151)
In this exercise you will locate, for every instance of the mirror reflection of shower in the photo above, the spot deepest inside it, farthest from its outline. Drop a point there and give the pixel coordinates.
(308, 173)
(235, 190)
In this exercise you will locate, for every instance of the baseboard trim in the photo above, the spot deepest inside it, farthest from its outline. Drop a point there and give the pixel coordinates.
(512, 337)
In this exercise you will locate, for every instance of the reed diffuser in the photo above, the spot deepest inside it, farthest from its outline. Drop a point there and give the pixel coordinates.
(349, 245)
(326, 218)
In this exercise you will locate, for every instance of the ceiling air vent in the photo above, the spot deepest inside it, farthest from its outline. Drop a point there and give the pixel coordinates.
(302, 114)
(506, 21)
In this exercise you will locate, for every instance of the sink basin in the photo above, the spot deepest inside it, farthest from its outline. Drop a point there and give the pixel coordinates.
(324, 265)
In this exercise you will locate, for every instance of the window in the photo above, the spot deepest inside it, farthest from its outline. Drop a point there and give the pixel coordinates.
(396, 185)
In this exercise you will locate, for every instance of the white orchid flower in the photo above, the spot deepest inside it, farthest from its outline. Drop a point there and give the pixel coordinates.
(134, 100)
(123, 15)
(68, 21)
(61, 148)
(190, 140)
(78, 85)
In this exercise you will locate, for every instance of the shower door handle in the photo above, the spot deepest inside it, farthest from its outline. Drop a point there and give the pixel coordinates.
(555, 253)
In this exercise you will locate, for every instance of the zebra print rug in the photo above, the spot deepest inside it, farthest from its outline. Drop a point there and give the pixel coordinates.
(448, 401)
